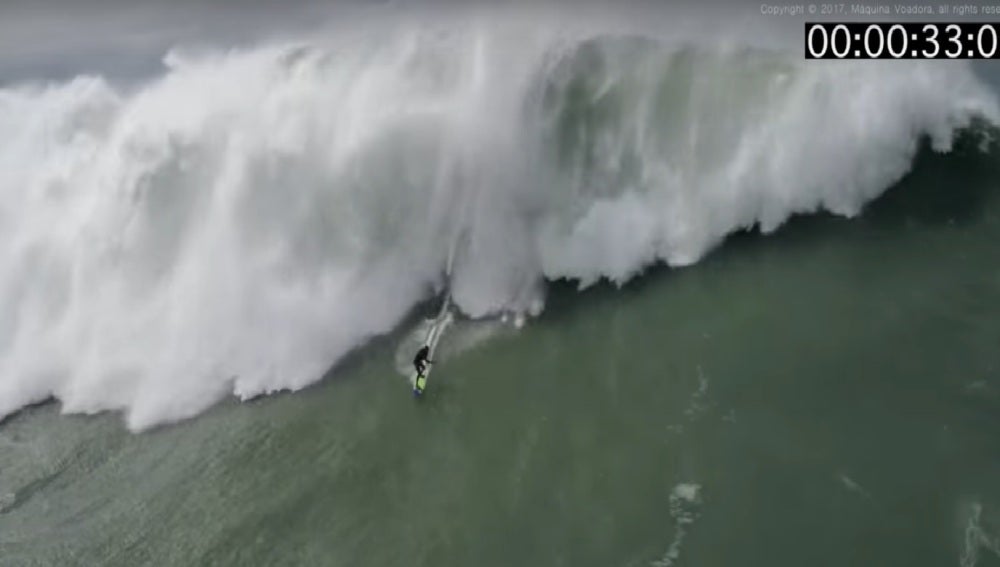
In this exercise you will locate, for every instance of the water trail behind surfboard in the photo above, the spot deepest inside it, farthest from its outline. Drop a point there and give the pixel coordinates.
(441, 322)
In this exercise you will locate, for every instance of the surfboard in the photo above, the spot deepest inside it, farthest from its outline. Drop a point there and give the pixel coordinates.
(442, 321)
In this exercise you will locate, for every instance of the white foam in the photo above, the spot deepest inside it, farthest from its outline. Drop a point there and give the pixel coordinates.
(687, 492)
(977, 538)
(685, 501)
(697, 403)
(852, 485)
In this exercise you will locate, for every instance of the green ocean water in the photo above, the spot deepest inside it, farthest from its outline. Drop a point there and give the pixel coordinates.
(825, 395)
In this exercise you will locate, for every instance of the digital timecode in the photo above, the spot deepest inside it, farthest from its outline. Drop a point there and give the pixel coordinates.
(883, 40)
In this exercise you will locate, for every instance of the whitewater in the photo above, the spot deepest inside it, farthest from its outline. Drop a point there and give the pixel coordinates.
(236, 224)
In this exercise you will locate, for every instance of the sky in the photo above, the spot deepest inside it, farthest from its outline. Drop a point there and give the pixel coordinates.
(46, 39)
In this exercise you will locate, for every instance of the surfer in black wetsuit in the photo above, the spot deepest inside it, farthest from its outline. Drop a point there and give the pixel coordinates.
(421, 361)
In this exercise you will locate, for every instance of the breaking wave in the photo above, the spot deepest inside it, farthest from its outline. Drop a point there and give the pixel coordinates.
(242, 221)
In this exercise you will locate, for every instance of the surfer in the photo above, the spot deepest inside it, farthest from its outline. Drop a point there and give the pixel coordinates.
(421, 361)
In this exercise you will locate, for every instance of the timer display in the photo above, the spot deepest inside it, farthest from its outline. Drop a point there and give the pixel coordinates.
(883, 40)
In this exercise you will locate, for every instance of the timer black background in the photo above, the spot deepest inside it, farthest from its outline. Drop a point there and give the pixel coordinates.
(853, 40)
(810, 377)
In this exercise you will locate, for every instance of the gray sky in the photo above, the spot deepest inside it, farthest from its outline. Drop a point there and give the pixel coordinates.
(46, 39)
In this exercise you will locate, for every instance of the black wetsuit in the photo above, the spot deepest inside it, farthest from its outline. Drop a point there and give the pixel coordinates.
(420, 361)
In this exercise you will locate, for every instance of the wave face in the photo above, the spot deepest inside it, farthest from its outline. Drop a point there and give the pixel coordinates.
(238, 224)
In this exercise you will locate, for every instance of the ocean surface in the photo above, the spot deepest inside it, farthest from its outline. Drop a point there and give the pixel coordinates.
(717, 305)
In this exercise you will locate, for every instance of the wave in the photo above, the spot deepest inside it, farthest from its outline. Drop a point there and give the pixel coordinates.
(244, 220)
